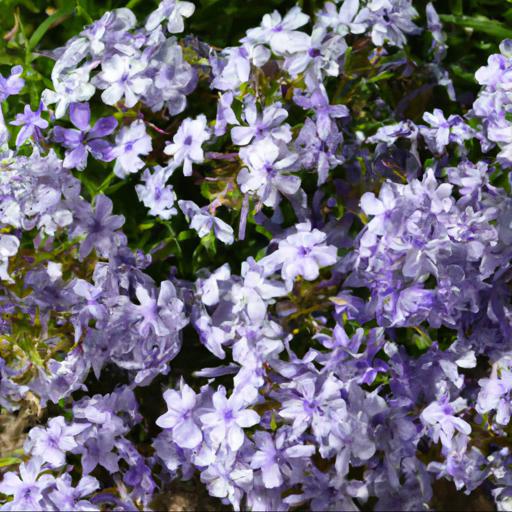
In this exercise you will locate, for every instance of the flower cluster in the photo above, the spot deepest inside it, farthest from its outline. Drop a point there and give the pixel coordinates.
(314, 312)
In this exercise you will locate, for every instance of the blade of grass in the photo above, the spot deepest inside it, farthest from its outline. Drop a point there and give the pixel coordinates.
(481, 24)
(55, 19)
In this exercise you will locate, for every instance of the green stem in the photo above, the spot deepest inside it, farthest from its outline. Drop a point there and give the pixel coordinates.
(132, 3)
(106, 182)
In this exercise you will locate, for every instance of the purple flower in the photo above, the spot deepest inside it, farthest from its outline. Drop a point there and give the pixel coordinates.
(280, 33)
(51, 444)
(85, 139)
(317, 153)
(255, 291)
(318, 101)
(495, 392)
(226, 423)
(186, 145)
(268, 123)
(180, 416)
(9, 245)
(301, 254)
(204, 222)
(264, 174)
(308, 404)
(342, 20)
(443, 131)
(173, 11)
(156, 195)
(440, 417)
(225, 114)
(12, 84)
(98, 450)
(31, 122)
(154, 313)
(67, 497)
(273, 457)
(99, 226)
(27, 488)
(123, 76)
(131, 142)
(389, 20)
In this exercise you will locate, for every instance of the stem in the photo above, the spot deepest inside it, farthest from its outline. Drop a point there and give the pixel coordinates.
(106, 182)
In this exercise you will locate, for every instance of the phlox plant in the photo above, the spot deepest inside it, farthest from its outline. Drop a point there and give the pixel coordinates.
(253, 268)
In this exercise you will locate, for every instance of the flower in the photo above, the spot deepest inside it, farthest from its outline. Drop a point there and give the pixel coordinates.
(156, 195)
(123, 75)
(179, 417)
(156, 314)
(173, 11)
(84, 139)
(268, 123)
(228, 419)
(12, 84)
(389, 20)
(67, 497)
(280, 33)
(32, 123)
(440, 417)
(71, 87)
(301, 254)
(264, 174)
(131, 142)
(27, 488)
(51, 444)
(204, 222)
(99, 226)
(186, 144)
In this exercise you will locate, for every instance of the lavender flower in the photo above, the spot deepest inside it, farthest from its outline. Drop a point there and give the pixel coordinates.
(84, 139)
(204, 222)
(67, 497)
(123, 77)
(228, 419)
(99, 226)
(186, 145)
(131, 142)
(179, 418)
(280, 33)
(27, 488)
(301, 254)
(156, 195)
(12, 84)
(172, 11)
(440, 417)
(31, 122)
(264, 174)
(51, 444)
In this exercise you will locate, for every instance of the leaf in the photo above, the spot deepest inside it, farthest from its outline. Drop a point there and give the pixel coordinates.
(9, 461)
(54, 19)
(480, 24)
(185, 235)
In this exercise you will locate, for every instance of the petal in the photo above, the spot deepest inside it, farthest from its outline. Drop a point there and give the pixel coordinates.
(103, 127)
(235, 437)
(80, 115)
(247, 418)
(187, 434)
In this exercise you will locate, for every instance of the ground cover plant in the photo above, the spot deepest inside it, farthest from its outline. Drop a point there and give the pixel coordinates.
(255, 252)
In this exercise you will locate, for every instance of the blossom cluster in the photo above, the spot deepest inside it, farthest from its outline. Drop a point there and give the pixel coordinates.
(342, 341)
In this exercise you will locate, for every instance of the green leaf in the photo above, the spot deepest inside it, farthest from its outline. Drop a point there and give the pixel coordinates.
(185, 235)
(9, 461)
(8, 60)
(52, 20)
(146, 225)
(480, 24)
